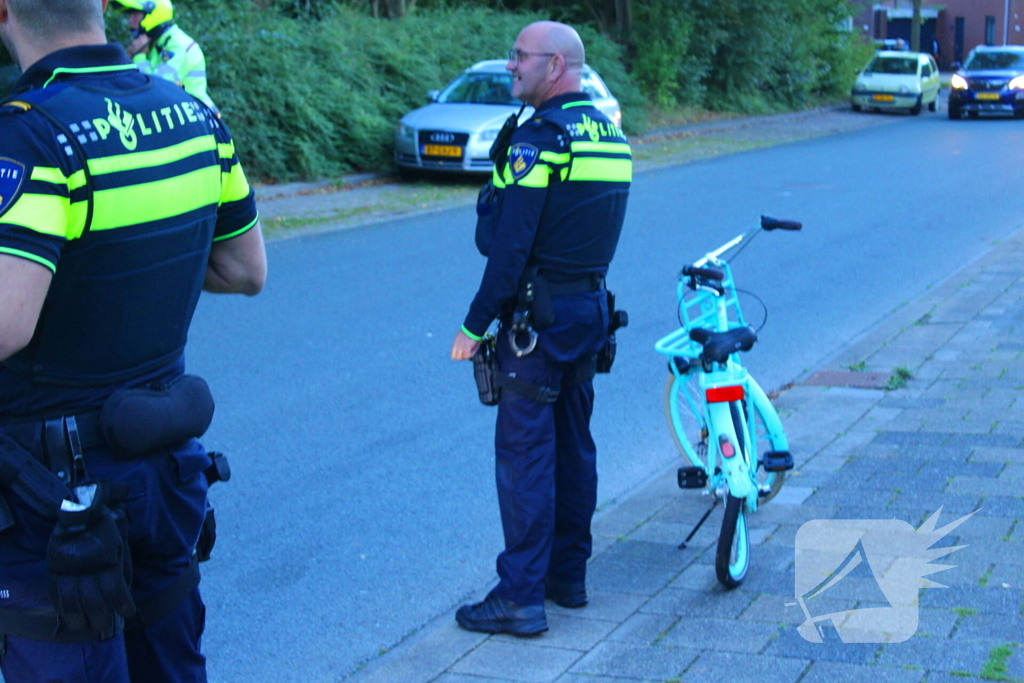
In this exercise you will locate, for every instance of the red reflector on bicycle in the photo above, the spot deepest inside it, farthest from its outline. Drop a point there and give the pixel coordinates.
(726, 447)
(724, 394)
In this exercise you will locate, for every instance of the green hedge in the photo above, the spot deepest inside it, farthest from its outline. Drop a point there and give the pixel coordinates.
(314, 89)
(308, 98)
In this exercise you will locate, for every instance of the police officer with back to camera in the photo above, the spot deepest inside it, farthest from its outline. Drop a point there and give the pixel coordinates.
(159, 47)
(121, 199)
(549, 230)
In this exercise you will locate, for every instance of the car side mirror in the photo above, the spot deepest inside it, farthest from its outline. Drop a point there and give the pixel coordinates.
(432, 95)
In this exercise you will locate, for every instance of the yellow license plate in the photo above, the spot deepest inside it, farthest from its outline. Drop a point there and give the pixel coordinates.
(987, 96)
(882, 98)
(442, 151)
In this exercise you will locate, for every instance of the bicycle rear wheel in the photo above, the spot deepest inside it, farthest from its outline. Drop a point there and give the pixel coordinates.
(732, 557)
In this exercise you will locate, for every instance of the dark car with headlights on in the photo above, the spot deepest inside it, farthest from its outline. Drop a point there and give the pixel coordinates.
(991, 81)
(455, 131)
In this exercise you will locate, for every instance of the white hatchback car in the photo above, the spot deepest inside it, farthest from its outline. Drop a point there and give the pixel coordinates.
(897, 80)
(455, 131)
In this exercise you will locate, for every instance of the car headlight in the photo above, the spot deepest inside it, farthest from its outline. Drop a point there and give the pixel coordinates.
(489, 134)
(904, 90)
(958, 82)
(405, 132)
(860, 86)
(1017, 83)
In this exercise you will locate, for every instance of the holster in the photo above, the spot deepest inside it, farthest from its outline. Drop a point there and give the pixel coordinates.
(616, 319)
(485, 369)
(23, 476)
(136, 421)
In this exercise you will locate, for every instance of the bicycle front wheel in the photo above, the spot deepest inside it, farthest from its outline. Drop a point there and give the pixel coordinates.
(764, 441)
(733, 555)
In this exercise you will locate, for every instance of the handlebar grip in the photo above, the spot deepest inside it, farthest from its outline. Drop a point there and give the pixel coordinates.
(769, 223)
(706, 273)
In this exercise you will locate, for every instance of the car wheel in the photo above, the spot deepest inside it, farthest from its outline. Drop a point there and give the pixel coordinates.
(933, 105)
(855, 107)
(954, 113)
(916, 109)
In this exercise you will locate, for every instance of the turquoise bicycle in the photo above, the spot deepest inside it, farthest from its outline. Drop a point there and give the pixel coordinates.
(720, 418)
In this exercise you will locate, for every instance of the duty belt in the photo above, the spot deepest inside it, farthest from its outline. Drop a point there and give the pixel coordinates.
(63, 439)
(588, 283)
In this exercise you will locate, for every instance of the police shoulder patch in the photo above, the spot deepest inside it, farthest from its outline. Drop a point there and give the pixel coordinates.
(521, 158)
(12, 175)
(167, 55)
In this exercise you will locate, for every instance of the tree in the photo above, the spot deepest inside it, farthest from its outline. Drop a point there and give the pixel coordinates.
(915, 28)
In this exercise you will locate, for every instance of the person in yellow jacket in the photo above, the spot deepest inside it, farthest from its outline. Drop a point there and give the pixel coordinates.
(160, 48)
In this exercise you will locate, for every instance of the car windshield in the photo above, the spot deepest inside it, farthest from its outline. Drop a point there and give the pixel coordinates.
(480, 88)
(995, 60)
(892, 65)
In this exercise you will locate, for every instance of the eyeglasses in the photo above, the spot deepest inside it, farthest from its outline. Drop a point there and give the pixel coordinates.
(514, 55)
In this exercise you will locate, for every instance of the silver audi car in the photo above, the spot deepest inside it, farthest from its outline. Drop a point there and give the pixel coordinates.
(454, 132)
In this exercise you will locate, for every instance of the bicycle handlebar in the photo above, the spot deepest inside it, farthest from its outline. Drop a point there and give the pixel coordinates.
(769, 223)
(704, 273)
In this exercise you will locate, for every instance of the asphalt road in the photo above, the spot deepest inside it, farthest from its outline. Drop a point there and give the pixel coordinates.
(362, 504)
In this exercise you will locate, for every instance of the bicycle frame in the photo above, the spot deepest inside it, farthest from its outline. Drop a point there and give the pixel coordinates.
(729, 398)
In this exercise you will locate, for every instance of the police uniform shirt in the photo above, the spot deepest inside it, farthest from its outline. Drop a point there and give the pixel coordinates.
(165, 184)
(566, 185)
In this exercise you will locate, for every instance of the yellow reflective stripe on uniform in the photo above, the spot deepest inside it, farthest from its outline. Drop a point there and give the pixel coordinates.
(602, 147)
(55, 176)
(581, 103)
(156, 157)
(555, 157)
(226, 150)
(539, 176)
(234, 186)
(236, 233)
(30, 257)
(46, 214)
(160, 199)
(45, 174)
(607, 170)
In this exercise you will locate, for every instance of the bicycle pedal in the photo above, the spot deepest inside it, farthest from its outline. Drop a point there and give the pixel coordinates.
(763, 490)
(692, 477)
(777, 461)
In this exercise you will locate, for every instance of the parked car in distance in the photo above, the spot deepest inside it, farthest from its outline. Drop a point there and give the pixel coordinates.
(991, 80)
(897, 80)
(455, 131)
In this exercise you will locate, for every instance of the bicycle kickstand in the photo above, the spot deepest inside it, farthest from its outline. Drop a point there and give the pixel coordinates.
(714, 504)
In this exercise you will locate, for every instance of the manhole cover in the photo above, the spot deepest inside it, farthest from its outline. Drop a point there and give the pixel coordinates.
(848, 378)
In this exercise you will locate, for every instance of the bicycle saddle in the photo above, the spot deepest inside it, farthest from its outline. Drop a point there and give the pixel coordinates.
(718, 346)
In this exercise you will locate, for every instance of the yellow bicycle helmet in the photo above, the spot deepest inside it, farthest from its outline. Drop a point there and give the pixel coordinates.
(157, 12)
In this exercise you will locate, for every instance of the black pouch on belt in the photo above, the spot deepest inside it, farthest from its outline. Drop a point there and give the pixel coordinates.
(485, 365)
(137, 421)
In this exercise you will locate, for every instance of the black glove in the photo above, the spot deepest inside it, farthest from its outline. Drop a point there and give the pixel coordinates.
(87, 562)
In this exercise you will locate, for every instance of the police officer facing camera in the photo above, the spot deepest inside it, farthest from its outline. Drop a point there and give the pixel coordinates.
(121, 199)
(159, 47)
(549, 229)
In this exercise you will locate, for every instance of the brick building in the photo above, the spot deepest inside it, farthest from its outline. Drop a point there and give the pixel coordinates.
(956, 25)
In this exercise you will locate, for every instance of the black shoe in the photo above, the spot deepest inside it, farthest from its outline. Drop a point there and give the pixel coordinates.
(497, 615)
(569, 595)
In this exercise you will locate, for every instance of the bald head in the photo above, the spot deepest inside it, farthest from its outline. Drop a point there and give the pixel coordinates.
(560, 39)
(550, 63)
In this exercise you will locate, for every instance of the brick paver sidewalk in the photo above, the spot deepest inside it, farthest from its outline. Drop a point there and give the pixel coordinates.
(953, 436)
